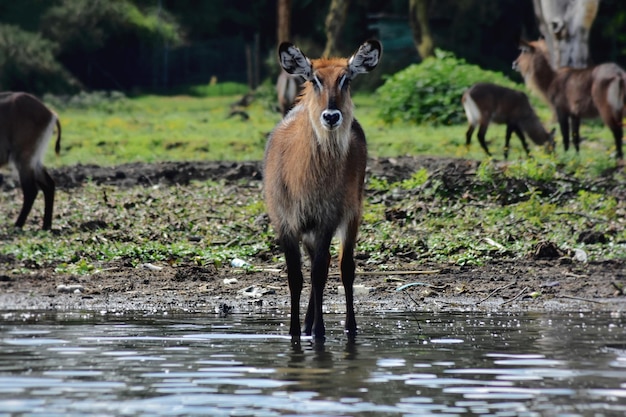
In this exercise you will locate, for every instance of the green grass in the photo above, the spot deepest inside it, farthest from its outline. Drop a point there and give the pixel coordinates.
(157, 128)
(185, 127)
(202, 223)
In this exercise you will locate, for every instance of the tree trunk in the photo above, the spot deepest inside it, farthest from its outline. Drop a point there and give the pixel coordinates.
(283, 21)
(418, 19)
(565, 24)
(335, 20)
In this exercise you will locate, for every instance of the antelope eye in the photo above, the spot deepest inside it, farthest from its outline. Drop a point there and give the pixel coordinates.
(317, 83)
(344, 82)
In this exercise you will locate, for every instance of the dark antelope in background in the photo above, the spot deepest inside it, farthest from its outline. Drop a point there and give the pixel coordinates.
(576, 94)
(485, 103)
(26, 126)
(314, 176)
(287, 89)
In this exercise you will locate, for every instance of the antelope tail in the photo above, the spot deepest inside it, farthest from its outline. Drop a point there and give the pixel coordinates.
(472, 112)
(57, 147)
(615, 94)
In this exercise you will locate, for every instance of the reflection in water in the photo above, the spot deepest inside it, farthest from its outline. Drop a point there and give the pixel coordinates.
(457, 364)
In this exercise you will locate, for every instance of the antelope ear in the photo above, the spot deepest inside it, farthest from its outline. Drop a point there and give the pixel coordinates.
(525, 46)
(365, 58)
(294, 61)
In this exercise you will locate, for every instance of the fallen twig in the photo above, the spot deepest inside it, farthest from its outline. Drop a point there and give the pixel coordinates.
(495, 291)
(423, 284)
(418, 272)
(588, 300)
(419, 327)
(516, 297)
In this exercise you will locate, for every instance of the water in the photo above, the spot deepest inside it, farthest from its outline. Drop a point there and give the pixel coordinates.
(73, 364)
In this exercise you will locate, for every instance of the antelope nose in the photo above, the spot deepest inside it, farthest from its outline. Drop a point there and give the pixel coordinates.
(331, 118)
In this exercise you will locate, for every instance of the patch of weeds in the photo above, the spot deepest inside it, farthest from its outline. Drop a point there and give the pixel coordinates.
(534, 210)
(82, 267)
(532, 169)
(470, 258)
(416, 180)
(586, 167)
(595, 203)
(487, 171)
(377, 184)
(254, 208)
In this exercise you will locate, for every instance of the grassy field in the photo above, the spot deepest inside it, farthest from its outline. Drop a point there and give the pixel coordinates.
(109, 131)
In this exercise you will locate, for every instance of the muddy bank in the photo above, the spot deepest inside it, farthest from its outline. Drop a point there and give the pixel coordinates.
(548, 280)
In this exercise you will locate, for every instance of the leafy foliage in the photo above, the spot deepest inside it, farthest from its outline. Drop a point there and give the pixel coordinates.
(430, 92)
(28, 63)
(86, 26)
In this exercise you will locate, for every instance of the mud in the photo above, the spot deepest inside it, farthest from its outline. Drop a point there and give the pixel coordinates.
(548, 280)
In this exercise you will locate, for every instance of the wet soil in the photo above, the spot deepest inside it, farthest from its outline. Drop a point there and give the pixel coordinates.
(547, 280)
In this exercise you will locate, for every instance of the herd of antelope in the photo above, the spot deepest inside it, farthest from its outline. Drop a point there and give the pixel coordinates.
(572, 94)
(315, 158)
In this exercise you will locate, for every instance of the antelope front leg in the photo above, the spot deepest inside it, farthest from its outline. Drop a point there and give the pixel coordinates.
(347, 278)
(29, 190)
(294, 277)
(468, 136)
(564, 125)
(314, 320)
(576, 132)
(482, 131)
(46, 183)
(522, 139)
(618, 133)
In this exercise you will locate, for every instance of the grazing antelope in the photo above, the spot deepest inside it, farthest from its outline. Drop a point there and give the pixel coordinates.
(576, 94)
(26, 126)
(287, 89)
(314, 177)
(485, 103)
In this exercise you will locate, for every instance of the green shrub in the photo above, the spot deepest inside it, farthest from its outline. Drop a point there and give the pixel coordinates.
(28, 63)
(228, 88)
(87, 26)
(110, 102)
(430, 92)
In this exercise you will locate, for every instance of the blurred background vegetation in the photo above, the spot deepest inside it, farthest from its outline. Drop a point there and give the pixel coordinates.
(162, 46)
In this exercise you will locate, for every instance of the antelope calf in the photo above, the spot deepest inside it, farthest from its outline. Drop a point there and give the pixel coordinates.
(485, 103)
(314, 177)
(287, 89)
(26, 126)
(576, 94)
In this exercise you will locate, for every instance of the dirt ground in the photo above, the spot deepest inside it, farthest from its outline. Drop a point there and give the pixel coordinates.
(548, 283)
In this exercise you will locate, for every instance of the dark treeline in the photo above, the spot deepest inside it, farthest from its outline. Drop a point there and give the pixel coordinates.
(63, 46)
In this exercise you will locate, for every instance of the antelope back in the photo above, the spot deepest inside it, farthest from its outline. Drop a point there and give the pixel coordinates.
(287, 89)
(27, 126)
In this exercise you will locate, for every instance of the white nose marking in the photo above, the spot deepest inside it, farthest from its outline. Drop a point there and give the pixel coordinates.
(331, 119)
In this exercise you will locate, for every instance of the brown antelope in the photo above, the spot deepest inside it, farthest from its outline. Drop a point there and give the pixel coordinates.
(287, 89)
(576, 94)
(485, 103)
(314, 174)
(26, 126)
